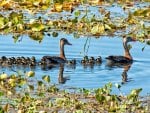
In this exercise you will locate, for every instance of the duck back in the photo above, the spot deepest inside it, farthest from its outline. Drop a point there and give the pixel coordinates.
(53, 60)
(119, 59)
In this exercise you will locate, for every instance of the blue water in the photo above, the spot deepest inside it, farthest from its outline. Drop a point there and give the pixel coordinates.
(80, 76)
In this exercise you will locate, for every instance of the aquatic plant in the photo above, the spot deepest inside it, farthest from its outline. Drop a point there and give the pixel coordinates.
(22, 93)
(21, 17)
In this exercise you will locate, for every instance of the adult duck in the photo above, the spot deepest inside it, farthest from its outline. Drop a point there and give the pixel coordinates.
(127, 58)
(57, 59)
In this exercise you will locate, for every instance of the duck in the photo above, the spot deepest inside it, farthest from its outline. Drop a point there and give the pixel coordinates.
(127, 58)
(57, 59)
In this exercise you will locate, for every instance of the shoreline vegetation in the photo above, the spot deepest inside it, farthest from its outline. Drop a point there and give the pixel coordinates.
(48, 17)
(23, 93)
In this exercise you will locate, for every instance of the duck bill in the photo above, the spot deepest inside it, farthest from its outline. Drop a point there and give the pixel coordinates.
(68, 43)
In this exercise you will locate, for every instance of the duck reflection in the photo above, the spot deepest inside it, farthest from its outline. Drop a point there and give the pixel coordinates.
(61, 66)
(126, 67)
(61, 78)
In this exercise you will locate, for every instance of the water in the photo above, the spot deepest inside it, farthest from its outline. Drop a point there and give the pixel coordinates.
(80, 76)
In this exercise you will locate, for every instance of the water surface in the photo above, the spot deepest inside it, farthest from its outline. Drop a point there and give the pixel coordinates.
(80, 76)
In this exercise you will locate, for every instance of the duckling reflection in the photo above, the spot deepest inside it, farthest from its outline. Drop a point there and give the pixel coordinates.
(61, 78)
(71, 63)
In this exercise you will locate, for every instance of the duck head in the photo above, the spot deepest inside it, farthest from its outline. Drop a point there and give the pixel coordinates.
(64, 41)
(128, 39)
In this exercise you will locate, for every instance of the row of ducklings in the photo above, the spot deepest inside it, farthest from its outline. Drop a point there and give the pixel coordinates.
(91, 60)
(8, 61)
(87, 61)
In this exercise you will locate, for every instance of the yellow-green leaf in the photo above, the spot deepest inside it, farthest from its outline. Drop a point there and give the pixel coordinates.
(98, 29)
(37, 27)
(3, 76)
(2, 22)
(31, 74)
(46, 78)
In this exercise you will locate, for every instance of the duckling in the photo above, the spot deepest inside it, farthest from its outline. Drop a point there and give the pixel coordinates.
(3, 58)
(32, 63)
(91, 60)
(71, 62)
(18, 60)
(33, 59)
(42, 62)
(98, 60)
(84, 60)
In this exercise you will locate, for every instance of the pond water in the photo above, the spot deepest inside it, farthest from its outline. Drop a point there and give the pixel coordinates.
(80, 76)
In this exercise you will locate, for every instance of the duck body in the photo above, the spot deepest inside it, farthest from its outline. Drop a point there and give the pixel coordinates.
(119, 59)
(126, 59)
(53, 60)
(57, 59)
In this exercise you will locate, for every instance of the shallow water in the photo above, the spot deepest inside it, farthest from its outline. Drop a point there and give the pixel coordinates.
(83, 76)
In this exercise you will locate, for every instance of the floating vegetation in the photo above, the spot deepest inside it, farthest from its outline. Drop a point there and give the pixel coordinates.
(20, 93)
(23, 18)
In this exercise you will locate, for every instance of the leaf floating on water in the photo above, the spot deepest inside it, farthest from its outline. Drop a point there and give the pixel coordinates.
(3, 76)
(37, 27)
(54, 34)
(58, 7)
(77, 13)
(31, 87)
(12, 82)
(79, 111)
(40, 83)
(2, 21)
(37, 36)
(5, 4)
(98, 29)
(6, 108)
(16, 18)
(131, 19)
(136, 91)
(118, 86)
(142, 12)
(1, 93)
(31, 74)
(46, 78)
(148, 42)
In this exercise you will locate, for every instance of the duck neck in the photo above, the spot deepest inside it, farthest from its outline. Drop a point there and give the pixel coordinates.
(62, 54)
(126, 52)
